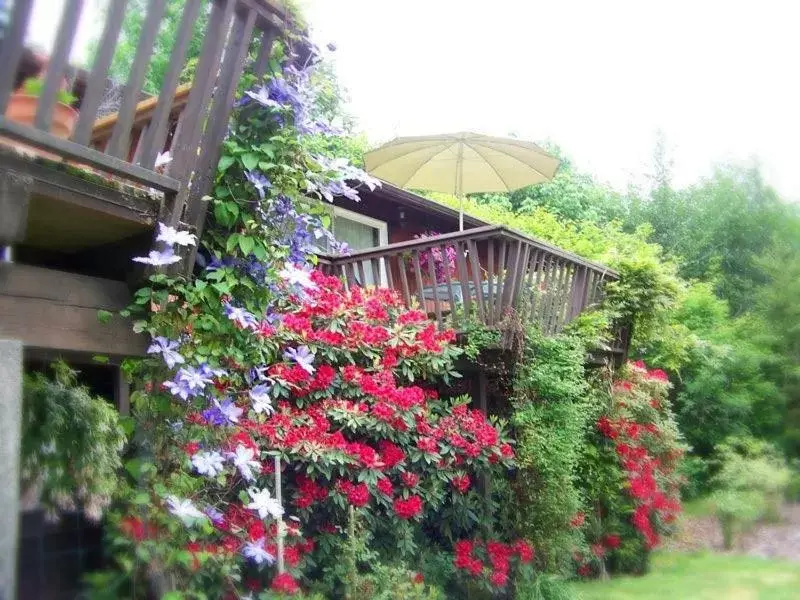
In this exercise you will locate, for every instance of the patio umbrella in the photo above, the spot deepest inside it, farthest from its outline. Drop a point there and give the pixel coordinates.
(461, 163)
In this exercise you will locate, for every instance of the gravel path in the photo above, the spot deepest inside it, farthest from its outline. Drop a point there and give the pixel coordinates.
(778, 540)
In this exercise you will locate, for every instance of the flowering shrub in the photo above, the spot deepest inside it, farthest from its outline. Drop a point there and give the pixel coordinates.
(262, 368)
(490, 562)
(444, 262)
(637, 498)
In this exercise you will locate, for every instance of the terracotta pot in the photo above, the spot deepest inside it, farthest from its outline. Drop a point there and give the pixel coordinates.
(22, 109)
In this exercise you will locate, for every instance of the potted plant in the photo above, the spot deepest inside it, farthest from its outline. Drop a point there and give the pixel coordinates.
(71, 444)
(24, 102)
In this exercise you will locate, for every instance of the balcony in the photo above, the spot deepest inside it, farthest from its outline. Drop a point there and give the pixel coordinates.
(490, 275)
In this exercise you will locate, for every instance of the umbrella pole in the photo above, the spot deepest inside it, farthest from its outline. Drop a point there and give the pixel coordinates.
(461, 212)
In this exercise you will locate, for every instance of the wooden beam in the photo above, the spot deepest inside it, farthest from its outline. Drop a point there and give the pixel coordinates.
(56, 310)
(67, 187)
(87, 156)
(15, 194)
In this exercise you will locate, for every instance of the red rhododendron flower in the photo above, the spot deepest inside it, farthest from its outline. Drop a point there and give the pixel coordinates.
(284, 583)
(390, 453)
(408, 508)
(461, 483)
(385, 486)
(499, 578)
(410, 479)
(524, 551)
(418, 578)
(578, 520)
(611, 541)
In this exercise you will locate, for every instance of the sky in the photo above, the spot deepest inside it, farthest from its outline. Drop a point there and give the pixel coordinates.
(599, 78)
(719, 79)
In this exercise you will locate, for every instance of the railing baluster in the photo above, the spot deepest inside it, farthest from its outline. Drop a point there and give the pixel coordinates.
(565, 297)
(476, 279)
(518, 276)
(57, 63)
(404, 280)
(437, 307)
(96, 86)
(184, 145)
(501, 276)
(450, 297)
(418, 278)
(526, 297)
(154, 141)
(490, 277)
(511, 276)
(236, 50)
(362, 274)
(12, 48)
(387, 264)
(118, 144)
(552, 289)
(376, 272)
(351, 275)
(542, 288)
(464, 279)
(264, 51)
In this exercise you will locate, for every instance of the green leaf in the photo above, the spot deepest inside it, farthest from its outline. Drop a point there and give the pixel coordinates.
(250, 161)
(104, 316)
(224, 163)
(246, 244)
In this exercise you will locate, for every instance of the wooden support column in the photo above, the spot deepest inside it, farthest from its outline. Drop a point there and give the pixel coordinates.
(122, 392)
(15, 193)
(11, 424)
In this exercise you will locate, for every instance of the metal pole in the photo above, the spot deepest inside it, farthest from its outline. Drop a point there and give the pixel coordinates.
(278, 496)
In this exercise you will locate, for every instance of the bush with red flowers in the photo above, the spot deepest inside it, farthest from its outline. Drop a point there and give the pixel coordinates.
(634, 485)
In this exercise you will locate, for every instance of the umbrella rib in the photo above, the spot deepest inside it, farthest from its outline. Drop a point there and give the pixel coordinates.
(512, 157)
(486, 160)
(492, 144)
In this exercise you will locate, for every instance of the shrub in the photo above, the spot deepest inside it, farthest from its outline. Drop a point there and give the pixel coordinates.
(71, 444)
(549, 420)
(630, 474)
(750, 484)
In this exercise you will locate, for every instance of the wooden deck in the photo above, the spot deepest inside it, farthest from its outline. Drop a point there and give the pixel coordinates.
(496, 274)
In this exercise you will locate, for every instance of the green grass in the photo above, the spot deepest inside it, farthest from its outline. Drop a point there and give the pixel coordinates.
(702, 576)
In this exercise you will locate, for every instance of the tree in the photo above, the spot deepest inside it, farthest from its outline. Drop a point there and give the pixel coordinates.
(129, 37)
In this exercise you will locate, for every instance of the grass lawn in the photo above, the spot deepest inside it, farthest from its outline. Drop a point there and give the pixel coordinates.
(702, 576)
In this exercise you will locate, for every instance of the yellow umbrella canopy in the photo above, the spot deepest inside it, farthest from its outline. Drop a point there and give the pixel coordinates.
(461, 163)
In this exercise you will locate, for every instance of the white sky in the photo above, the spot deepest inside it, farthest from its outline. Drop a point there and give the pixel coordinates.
(598, 77)
(719, 78)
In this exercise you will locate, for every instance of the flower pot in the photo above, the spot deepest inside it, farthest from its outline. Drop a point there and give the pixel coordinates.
(22, 109)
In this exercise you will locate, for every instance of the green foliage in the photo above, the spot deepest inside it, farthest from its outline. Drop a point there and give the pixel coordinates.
(750, 484)
(542, 586)
(132, 23)
(549, 421)
(34, 86)
(71, 443)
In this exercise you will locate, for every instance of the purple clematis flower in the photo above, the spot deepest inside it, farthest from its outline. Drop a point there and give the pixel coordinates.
(302, 356)
(223, 413)
(256, 552)
(240, 316)
(159, 259)
(190, 381)
(259, 181)
(261, 95)
(262, 401)
(167, 349)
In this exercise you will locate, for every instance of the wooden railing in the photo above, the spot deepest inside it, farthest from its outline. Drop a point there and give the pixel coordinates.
(486, 274)
(236, 29)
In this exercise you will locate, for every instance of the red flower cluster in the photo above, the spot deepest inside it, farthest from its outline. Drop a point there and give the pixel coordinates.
(357, 493)
(635, 443)
(284, 583)
(408, 508)
(498, 555)
(462, 483)
(308, 492)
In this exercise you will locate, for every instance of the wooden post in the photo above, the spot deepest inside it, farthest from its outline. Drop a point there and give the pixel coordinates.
(15, 193)
(11, 420)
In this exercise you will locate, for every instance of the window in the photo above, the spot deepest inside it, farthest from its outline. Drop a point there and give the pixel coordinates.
(361, 233)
